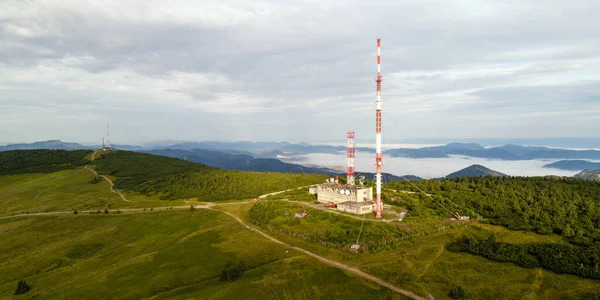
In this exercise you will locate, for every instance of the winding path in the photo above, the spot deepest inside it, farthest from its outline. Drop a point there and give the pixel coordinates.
(112, 185)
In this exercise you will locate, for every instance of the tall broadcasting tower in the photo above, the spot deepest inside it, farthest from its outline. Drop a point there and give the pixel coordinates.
(378, 162)
(350, 156)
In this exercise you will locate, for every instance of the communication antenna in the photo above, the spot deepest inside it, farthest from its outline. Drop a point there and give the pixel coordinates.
(350, 156)
(378, 154)
(107, 137)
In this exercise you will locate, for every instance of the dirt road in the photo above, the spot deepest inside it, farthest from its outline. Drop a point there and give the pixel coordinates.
(112, 185)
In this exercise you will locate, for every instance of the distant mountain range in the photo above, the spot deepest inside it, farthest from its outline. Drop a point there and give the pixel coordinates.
(278, 149)
(506, 152)
(574, 165)
(242, 162)
(589, 175)
(475, 171)
(51, 144)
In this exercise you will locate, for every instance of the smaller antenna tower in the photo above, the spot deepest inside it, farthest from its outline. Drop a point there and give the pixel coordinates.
(350, 156)
(106, 141)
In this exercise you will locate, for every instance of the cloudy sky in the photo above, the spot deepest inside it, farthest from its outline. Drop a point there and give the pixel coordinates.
(297, 70)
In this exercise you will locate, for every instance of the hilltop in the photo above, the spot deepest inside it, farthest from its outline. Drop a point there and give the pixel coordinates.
(574, 165)
(588, 174)
(242, 162)
(51, 144)
(41, 161)
(475, 171)
(172, 178)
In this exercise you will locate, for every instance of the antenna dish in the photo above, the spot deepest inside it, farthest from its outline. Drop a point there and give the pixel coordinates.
(347, 192)
(342, 192)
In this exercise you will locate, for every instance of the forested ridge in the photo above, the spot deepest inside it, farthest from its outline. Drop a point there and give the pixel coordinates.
(566, 206)
(176, 179)
(41, 161)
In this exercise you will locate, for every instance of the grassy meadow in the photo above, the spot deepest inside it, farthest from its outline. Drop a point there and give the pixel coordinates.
(423, 265)
(170, 254)
(65, 190)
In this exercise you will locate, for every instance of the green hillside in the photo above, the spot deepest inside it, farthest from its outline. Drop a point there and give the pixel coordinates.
(176, 179)
(545, 248)
(174, 255)
(566, 206)
(41, 161)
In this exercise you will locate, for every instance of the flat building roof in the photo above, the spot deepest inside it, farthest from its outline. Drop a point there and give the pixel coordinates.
(343, 186)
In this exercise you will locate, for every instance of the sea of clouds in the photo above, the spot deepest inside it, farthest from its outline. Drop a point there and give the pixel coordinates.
(433, 167)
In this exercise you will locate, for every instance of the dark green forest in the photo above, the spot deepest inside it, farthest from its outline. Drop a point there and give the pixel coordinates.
(41, 161)
(566, 206)
(567, 259)
(177, 179)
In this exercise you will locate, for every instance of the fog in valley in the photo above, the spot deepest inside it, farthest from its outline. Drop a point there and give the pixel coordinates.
(433, 167)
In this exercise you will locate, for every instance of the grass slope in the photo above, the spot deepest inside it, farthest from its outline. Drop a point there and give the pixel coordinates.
(63, 191)
(165, 254)
(423, 265)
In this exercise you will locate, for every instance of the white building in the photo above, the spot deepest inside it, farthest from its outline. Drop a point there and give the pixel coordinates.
(349, 198)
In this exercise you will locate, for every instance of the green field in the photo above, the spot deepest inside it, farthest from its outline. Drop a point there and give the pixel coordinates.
(63, 191)
(175, 254)
(166, 254)
(423, 265)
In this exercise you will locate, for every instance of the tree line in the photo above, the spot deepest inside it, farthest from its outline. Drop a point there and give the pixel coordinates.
(561, 205)
(41, 161)
(559, 258)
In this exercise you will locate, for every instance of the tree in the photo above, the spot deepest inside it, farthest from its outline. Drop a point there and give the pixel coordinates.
(22, 288)
(106, 210)
(231, 271)
(75, 212)
(457, 293)
(568, 232)
(192, 208)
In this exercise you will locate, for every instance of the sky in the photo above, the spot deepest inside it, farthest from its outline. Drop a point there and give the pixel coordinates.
(270, 70)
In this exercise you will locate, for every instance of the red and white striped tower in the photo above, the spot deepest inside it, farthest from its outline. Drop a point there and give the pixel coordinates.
(378, 162)
(350, 156)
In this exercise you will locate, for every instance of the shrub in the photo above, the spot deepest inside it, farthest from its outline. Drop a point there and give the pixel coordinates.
(96, 179)
(457, 293)
(231, 271)
(22, 288)
(75, 212)
(106, 210)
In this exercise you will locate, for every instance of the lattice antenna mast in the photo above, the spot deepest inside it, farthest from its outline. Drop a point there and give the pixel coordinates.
(107, 137)
(378, 153)
(350, 157)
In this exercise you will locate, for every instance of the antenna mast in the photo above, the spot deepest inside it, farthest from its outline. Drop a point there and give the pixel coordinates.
(378, 155)
(350, 156)
(107, 137)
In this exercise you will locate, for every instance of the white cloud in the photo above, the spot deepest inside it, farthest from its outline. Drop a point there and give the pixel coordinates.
(450, 67)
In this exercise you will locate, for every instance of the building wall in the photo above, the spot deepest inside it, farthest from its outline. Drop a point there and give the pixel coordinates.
(327, 194)
(357, 210)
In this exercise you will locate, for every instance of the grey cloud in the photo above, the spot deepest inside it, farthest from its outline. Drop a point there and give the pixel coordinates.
(318, 58)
